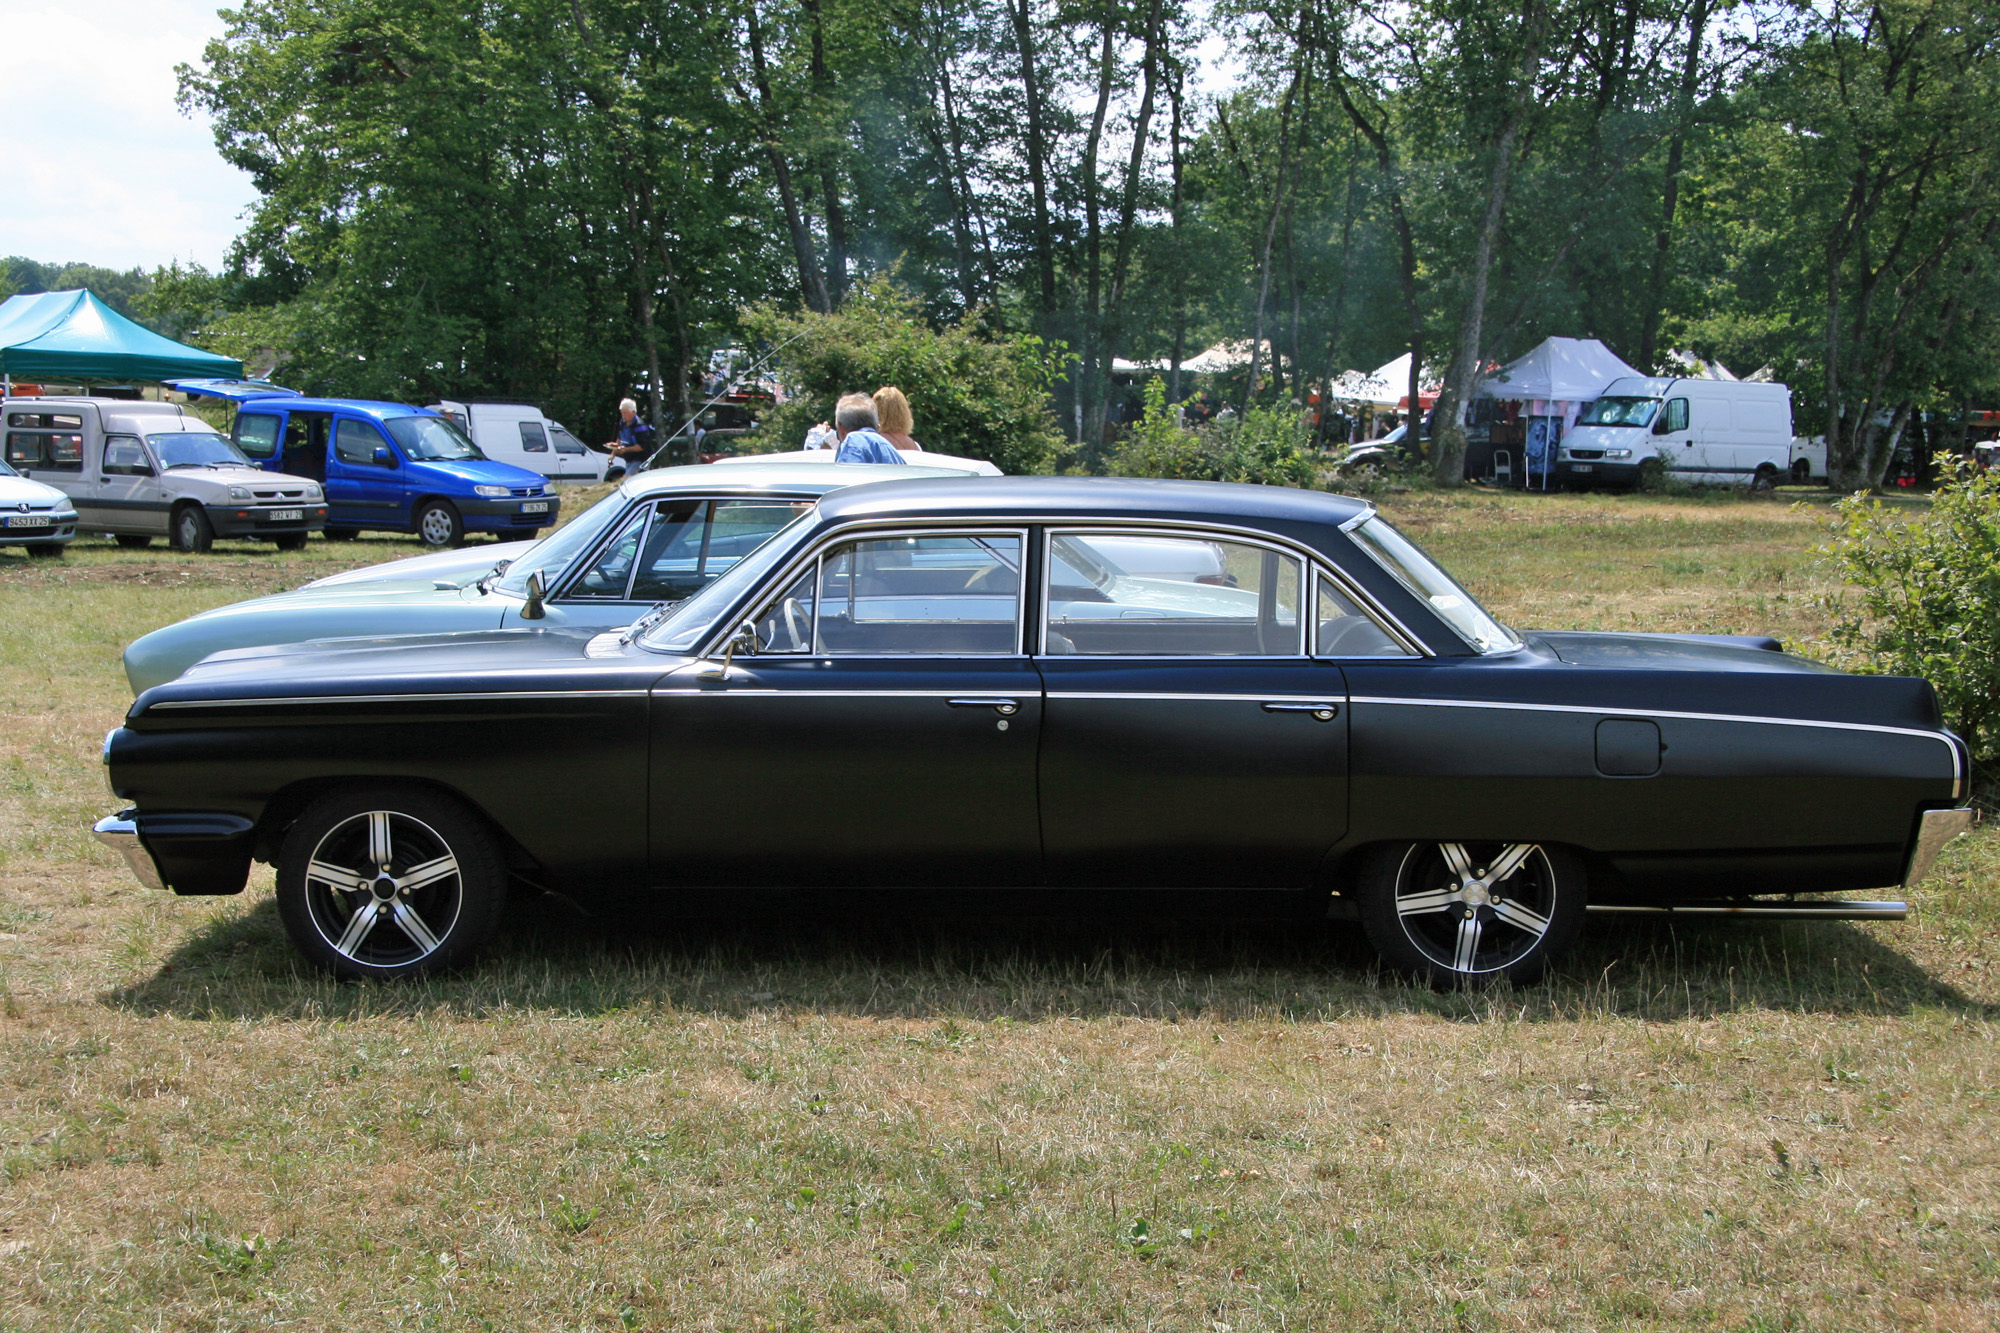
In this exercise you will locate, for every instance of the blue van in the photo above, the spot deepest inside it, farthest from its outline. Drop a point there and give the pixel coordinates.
(385, 467)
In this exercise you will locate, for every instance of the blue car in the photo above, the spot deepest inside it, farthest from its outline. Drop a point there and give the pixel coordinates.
(385, 467)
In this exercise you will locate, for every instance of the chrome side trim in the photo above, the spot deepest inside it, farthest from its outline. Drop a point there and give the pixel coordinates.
(1243, 697)
(1935, 828)
(1809, 909)
(399, 698)
(1957, 772)
(122, 836)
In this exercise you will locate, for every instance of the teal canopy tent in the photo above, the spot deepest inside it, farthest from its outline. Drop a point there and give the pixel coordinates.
(67, 336)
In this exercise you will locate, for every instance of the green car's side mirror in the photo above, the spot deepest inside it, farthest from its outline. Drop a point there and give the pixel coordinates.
(744, 641)
(533, 610)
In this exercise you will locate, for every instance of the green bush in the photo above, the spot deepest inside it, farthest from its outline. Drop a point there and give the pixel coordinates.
(972, 395)
(1927, 599)
(1269, 446)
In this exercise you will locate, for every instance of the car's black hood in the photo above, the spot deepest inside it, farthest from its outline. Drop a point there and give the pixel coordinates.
(1673, 652)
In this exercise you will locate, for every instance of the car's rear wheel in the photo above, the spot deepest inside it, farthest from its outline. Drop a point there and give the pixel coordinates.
(291, 541)
(1801, 473)
(1765, 478)
(190, 531)
(341, 534)
(439, 525)
(389, 883)
(133, 541)
(1471, 913)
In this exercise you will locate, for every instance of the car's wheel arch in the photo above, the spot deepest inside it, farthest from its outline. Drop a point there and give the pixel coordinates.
(289, 803)
(417, 504)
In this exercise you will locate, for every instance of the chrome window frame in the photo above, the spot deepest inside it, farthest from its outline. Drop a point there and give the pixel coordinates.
(882, 530)
(1115, 529)
(560, 590)
(1348, 589)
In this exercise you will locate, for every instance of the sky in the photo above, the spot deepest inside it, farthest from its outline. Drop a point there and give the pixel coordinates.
(101, 166)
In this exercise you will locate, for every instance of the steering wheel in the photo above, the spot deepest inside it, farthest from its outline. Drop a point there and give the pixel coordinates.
(792, 613)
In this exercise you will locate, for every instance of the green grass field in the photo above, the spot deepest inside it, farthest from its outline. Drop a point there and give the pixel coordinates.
(861, 1114)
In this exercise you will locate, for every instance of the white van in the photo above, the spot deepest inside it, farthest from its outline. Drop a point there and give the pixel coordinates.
(518, 433)
(1722, 432)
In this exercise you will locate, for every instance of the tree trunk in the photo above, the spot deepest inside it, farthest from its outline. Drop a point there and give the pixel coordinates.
(1088, 400)
(1179, 266)
(1045, 259)
(829, 174)
(1128, 201)
(812, 283)
(1406, 245)
(1278, 187)
(1656, 285)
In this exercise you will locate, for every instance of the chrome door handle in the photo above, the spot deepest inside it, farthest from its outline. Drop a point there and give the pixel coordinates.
(1323, 712)
(1004, 707)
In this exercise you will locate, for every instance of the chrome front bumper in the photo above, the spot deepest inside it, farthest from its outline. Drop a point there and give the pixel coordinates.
(121, 834)
(1934, 829)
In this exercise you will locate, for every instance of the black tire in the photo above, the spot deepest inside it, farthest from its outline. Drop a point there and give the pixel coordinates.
(132, 541)
(341, 534)
(1652, 473)
(1802, 473)
(354, 921)
(190, 531)
(291, 541)
(1430, 912)
(439, 525)
(1765, 478)
(45, 552)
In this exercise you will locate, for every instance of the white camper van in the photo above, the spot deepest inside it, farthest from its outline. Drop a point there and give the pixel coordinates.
(518, 433)
(1722, 432)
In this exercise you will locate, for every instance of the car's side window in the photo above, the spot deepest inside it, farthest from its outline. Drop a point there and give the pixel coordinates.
(257, 434)
(1342, 629)
(45, 453)
(533, 441)
(933, 595)
(693, 541)
(1147, 595)
(610, 570)
(567, 443)
(124, 456)
(356, 441)
(1675, 417)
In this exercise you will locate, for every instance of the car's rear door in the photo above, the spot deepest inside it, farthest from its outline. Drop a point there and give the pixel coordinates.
(1187, 739)
(884, 734)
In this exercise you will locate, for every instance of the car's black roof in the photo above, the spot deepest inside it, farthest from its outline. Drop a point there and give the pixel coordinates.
(1092, 497)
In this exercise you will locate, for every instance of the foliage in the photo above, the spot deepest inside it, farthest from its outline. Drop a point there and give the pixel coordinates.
(973, 394)
(1268, 446)
(1929, 597)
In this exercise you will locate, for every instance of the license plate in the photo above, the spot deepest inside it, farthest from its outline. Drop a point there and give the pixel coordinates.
(1583, 467)
(31, 521)
(284, 515)
(535, 507)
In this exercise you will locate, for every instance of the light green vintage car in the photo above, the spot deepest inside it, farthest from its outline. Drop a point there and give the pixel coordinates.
(658, 538)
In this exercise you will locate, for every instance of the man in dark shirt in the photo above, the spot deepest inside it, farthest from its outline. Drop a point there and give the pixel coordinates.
(634, 444)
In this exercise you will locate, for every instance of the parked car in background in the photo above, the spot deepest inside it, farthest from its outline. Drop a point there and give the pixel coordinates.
(658, 537)
(1721, 432)
(37, 517)
(1338, 720)
(520, 434)
(386, 467)
(140, 470)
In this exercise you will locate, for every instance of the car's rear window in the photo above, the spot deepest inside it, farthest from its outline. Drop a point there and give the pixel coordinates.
(1421, 575)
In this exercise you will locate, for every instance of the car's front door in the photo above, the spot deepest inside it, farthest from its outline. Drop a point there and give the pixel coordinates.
(1187, 739)
(884, 733)
(364, 484)
(130, 497)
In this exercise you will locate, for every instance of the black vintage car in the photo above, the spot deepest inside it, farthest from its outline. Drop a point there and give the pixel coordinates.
(1054, 683)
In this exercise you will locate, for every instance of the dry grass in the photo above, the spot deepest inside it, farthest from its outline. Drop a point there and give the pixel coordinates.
(874, 1114)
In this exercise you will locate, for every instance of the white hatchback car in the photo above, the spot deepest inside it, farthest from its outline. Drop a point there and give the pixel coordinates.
(34, 516)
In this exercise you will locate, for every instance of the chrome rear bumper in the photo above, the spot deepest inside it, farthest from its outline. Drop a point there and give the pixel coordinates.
(121, 834)
(1935, 828)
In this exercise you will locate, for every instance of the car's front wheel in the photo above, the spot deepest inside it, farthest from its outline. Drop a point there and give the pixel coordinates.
(389, 883)
(291, 541)
(439, 525)
(132, 541)
(1471, 913)
(191, 531)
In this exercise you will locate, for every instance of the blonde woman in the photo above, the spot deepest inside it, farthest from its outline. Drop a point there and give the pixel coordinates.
(893, 409)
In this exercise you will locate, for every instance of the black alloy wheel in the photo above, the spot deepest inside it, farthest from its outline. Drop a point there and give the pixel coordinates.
(291, 541)
(341, 534)
(1464, 914)
(191, 532)
(133, 541)
(389, 883)
(439, 525)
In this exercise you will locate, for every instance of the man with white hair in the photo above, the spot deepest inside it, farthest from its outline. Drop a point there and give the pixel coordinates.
(634, 444)
(861, 439)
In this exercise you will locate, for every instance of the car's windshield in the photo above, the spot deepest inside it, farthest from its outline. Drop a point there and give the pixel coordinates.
(1417, 572)
(432, 440)
(6, 471)
(1620, 412)
(193, 448)
(551, 555)
(692, 621)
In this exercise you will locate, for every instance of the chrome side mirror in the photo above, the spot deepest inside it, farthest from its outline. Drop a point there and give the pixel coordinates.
(744, 641)
(533, 610)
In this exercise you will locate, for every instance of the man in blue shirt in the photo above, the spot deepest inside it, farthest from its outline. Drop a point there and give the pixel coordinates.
(634, 444)
(855, 422)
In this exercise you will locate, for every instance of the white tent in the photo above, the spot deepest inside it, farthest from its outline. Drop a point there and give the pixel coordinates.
(1561, 370)
(1387, 386)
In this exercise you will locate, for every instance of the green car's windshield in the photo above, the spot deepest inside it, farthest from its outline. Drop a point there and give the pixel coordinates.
(552, 555)
(1619, 412)
(694, 619)
(432, 440)
(1421, 575)
(196, 449)
(6, 471)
